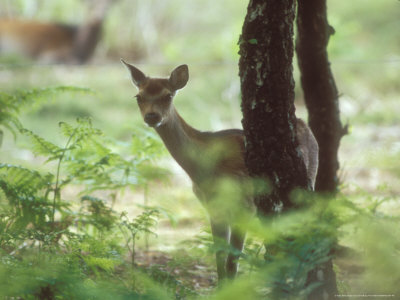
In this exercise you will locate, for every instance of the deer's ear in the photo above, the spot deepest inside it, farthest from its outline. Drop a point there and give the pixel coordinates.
(137, 76)
(179, 77)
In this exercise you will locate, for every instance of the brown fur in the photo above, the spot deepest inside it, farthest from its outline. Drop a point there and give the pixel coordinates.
(35, 37)
(52, 42)
(154, 87)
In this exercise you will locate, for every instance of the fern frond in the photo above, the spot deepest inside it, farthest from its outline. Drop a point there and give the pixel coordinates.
(23, 179)
(25, 96)
(10, 128)
(146, 146)
(66, 129)
(42, 146)
(8, 118)
(85, 130)
(12, 103)
(81, 134)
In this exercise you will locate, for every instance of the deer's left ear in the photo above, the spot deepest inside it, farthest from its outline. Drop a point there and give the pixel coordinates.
(137, 76)
(179, 77)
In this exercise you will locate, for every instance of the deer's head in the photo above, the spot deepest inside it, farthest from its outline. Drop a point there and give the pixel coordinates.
(155, 94)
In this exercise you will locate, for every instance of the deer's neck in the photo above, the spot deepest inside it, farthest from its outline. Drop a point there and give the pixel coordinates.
(89, 33)
(182, 142)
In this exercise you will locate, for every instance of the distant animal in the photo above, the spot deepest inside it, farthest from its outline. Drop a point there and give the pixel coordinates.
(52, 42)
(210, 159)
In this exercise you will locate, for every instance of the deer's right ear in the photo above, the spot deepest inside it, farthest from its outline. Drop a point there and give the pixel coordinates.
(137, 76)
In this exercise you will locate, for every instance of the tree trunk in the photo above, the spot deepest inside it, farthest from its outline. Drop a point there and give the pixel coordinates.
(267, 85)
(321, 97)
(320, 92)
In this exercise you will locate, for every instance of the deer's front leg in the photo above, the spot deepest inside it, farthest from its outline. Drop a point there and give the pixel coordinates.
(220, 232)
(237, 240)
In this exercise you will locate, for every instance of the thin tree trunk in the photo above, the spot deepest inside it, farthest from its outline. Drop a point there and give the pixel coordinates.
(321, 97)
(320, 92)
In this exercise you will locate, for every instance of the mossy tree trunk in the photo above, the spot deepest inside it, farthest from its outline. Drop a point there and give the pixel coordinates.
(267, 85)
(321, 97)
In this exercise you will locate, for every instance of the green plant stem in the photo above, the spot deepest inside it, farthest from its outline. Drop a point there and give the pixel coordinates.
(146, 203)
(58, 174)
(133, 250)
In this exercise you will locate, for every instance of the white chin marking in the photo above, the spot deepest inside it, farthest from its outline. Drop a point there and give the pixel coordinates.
(158, 124)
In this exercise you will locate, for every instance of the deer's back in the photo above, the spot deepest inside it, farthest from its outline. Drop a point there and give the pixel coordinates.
(230, 159)
(225, 150)
(34, 38)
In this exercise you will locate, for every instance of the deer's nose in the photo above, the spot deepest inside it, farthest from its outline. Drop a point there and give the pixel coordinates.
(152, 119)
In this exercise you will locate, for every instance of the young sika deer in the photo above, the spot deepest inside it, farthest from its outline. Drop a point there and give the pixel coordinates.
(210, 158)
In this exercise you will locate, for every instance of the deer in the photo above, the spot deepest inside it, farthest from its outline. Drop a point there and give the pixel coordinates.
(53, 42)
(209, 158)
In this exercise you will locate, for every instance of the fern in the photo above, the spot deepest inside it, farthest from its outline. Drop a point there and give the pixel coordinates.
(79, 134)
(12, 103)
(142, 224)
(40, 146)
(66, 129)
(90, 160)
(85, 159)
(27, 193)
(146, 145)
(103, 263)
(26, 96)
(97, 213)
(24, 180)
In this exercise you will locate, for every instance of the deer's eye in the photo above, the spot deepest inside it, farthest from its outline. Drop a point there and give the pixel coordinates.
(139, 99)
(167, 97)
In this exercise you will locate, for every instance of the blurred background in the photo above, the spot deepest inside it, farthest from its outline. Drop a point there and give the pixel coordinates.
(158, 35)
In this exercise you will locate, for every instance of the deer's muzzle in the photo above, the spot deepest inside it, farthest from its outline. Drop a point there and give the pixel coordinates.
(152, 119)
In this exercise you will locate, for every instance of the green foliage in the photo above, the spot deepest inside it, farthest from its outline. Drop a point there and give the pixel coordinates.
(54, 249)
(56, 276)
(12, 103)
(295, 244)
(131, 229)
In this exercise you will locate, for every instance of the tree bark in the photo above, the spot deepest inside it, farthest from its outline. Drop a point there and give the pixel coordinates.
(320, 92)
(267, 85)
(321, 98)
